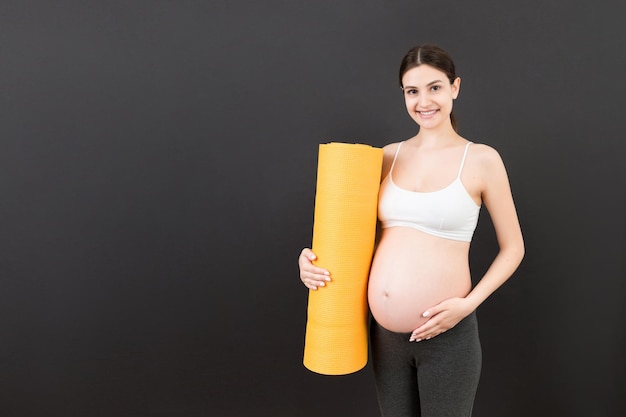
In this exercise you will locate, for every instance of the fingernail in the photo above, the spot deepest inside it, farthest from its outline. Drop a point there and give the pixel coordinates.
(426, 314)
(321, 284)
(327, 279)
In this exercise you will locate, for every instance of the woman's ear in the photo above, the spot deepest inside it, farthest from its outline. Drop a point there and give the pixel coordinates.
(456, 87)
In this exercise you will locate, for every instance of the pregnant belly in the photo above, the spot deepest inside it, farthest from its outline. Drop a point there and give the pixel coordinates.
(412, 272)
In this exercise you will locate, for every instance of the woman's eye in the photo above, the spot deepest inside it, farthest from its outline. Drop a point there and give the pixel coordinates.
(411, 91)
(436, 88)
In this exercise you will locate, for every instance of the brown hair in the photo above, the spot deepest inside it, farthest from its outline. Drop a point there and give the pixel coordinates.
(435, 57)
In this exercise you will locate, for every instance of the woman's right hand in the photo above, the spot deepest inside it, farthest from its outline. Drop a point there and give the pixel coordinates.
(312, 277)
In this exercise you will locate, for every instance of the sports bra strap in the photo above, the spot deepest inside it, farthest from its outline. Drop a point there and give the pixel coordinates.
(395, 157)
(463, 160)
(460, 168)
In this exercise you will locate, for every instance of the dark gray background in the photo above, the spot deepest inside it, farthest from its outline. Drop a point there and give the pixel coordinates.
(157, 176)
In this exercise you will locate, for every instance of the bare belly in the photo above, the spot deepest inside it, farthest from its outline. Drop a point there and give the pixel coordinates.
(413, 271)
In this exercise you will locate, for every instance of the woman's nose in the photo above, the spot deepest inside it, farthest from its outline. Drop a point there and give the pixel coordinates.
(423, 99)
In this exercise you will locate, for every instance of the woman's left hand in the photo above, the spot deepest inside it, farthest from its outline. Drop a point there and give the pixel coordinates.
(441, 318)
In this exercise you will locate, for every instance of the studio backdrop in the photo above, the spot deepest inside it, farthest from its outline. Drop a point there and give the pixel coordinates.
(157, 177)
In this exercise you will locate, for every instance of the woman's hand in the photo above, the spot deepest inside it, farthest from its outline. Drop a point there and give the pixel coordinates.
(441, 318)
(312, 277)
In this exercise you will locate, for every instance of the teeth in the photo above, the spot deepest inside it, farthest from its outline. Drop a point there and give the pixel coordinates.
(427, 113)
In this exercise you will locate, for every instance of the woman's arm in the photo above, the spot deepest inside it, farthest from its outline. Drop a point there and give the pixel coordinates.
(496, 195)
(498, 200)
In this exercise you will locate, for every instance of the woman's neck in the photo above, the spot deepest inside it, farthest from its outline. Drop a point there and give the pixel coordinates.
(442, 136)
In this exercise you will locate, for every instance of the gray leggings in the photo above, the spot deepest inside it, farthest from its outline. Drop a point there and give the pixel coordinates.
(431, 378)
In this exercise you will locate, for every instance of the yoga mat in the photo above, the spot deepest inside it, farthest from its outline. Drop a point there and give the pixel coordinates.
(344, 231)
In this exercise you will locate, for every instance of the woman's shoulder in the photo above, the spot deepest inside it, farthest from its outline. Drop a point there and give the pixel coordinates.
(485, 162)
(391, 147)
(484, 154)
(389, 153)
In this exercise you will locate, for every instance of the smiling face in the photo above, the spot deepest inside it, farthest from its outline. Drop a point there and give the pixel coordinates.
(428, 95)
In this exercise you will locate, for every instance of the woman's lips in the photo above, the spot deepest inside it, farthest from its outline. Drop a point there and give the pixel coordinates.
(428, 113)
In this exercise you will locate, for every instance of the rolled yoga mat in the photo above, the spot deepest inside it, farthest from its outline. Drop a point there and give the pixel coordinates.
(344, 231)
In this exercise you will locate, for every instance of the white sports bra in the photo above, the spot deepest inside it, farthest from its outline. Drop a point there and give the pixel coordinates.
(449, 213)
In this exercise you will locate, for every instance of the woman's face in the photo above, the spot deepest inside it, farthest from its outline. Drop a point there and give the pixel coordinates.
(428, 95)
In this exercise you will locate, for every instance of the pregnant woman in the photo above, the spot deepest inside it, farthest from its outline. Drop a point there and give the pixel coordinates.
(426, 352)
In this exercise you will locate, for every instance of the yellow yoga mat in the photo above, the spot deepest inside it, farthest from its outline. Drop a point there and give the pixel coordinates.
(344, 231)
